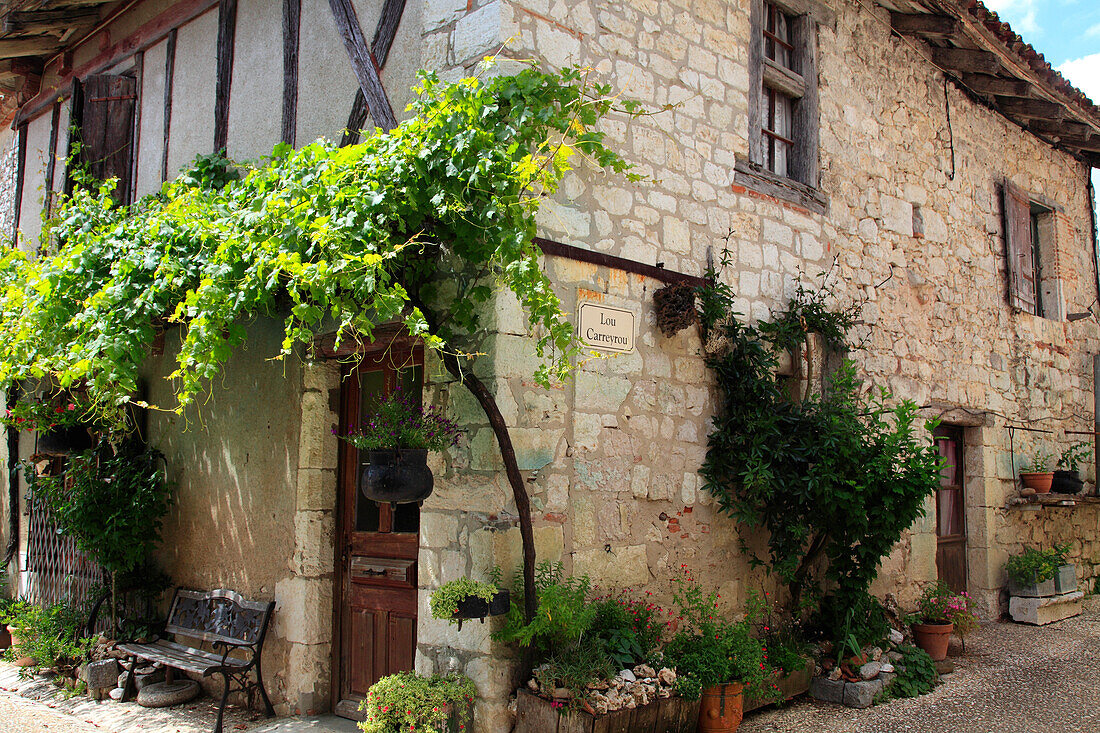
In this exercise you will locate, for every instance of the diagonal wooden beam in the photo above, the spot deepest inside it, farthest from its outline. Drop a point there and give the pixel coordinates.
(380, 49)
(362, 63)
(925, 25)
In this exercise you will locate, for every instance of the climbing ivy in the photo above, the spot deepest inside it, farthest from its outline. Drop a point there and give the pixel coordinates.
(420, 225)
(835, 478)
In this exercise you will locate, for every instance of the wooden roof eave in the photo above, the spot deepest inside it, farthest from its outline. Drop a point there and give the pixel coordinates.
(997, 75)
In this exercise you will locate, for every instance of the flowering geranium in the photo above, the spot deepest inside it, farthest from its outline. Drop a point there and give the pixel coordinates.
(407, 701)
(45, 416)
(940, 605)
(401, 422)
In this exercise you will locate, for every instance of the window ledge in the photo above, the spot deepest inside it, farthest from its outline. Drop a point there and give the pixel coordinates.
(761, 180)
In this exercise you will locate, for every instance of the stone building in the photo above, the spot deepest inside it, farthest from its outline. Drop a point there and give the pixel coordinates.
(892, 140)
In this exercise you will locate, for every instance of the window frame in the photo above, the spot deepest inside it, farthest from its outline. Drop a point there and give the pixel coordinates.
(798, 180)
(1031, 253)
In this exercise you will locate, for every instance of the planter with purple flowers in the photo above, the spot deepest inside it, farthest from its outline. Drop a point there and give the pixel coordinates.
(393, 446)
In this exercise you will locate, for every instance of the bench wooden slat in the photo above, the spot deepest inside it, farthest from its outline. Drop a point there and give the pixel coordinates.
(180, 657)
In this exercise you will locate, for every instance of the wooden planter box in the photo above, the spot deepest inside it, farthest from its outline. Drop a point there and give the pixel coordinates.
(790, 685)
(667, 715)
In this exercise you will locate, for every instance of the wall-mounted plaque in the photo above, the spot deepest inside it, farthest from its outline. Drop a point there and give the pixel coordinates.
(604, 328)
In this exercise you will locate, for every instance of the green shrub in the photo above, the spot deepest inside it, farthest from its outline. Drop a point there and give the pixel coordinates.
(563, 616)
(52, 636)
(1070, 459)
(916, 674)
(627, 629)
(407, 701)
(1036, 566)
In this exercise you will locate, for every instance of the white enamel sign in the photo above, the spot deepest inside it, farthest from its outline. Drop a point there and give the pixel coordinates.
(604, 328)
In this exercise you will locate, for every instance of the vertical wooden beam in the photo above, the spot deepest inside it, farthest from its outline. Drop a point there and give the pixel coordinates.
(51, 161)
(756, 82)
(135, 147)
(169, 74)
(362, 63)
(227, 31)
(76, 132)
(292, 23)
(20, 174)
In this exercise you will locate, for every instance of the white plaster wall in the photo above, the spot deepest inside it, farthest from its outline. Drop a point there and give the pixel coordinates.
(326, 83)
(151, 130)
(193, 92)
(256, 101)
(34, 180)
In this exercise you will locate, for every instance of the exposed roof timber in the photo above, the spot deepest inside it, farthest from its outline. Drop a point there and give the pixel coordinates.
(966, 60)
(985, 84)
(36, 46)
(46, 21)
(1068, 129)
(1031, 108)
(924, 24)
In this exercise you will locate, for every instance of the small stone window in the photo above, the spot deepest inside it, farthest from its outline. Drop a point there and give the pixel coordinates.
(1034, 285)
(783, 115)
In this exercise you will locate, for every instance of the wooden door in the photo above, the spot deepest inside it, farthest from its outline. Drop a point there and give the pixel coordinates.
(376, 596)
(951, 511)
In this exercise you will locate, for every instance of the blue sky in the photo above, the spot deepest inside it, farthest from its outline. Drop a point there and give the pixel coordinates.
(1066, 32)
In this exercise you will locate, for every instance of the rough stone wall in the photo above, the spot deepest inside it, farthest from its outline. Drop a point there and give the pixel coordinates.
(1077, 526)
(913, 225)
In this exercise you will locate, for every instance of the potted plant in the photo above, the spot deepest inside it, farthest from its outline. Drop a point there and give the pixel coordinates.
(715, 658)
(1035, 573)
(407, 701)
(1040, 476)
(941, 612)
(465, 598)
(396, 441)
(60, 424)
(1066, 478)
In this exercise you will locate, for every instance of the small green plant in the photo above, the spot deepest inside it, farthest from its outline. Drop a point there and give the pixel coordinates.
(1070, 459)
(1033, 565)
(708, 649)
(574, 668)
(916, 674)
(563, 614)
(51, 636)
(400, 421)
(407, 702)
(1039, 462)
(444, 601)
(628, 630)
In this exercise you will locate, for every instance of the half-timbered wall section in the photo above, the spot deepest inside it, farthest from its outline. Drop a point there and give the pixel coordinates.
(933, 163)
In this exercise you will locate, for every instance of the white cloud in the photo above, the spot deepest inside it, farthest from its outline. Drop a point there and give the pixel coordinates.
(1022, 15)
(1084, 73)
(1093, 31)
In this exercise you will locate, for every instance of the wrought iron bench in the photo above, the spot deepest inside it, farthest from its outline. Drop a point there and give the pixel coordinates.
(228, 623)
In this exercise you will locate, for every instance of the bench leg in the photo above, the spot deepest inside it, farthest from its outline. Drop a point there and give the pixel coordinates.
(225, 699)
(129, 688)
(268, 710)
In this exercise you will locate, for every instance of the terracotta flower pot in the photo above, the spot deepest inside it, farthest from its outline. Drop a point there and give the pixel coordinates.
(16, 641)
(721, 708)
(1039, 481)
(933, 638)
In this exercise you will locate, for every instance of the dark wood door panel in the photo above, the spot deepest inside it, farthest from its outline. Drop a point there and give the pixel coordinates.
(951, 511)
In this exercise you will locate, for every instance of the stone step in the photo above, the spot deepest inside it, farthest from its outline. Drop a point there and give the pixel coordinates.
(1043, 611)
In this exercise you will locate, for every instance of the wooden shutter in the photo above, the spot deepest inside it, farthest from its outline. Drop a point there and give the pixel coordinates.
(104, 115)
(1020, 255)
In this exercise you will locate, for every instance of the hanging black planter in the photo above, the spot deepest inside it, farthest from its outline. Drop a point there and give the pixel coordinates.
(397, 476)
(63, 441)
(1067, 482)
(474, 607)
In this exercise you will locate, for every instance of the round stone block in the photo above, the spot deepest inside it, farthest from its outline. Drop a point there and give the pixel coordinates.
(167, 694)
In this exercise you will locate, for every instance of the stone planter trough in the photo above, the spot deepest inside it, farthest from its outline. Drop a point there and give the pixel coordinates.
(666, 715)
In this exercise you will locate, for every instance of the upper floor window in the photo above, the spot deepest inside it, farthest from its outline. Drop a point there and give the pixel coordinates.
(783, 106)
(1031, 254)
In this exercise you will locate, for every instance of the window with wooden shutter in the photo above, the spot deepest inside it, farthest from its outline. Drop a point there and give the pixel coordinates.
(102, 120)
(783, 158)
(1020, 250)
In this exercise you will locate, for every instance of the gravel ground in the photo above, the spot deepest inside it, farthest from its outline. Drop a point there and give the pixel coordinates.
(1012, 679)
(18, 715)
